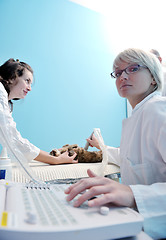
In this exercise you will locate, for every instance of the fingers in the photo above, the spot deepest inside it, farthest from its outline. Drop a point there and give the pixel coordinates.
(84, 197)
(90, 141)
(74, 161)
(91, 174)
(65, 153)
(68, 159)
(72, 158)
(103, 199)
(93, 142)
(92, 193)
(82, 185)
(75, 189)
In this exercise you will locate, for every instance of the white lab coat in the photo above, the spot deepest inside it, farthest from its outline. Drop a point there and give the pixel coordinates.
(151, 204)
(164, 83)
(9, 134)
(142, 160)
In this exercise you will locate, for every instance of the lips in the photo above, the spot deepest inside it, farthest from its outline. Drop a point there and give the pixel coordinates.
(125, 85)
(25, 92)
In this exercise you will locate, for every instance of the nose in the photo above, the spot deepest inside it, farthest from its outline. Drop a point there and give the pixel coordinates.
(123, 76)
(29, 88)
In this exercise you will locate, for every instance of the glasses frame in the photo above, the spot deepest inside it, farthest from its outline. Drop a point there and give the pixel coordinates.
(125, 70)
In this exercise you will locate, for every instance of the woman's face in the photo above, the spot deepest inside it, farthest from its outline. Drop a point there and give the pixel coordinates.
(23, 85)
(134, 86)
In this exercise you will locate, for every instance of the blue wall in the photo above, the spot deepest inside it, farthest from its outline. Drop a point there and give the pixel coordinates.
(73, 92)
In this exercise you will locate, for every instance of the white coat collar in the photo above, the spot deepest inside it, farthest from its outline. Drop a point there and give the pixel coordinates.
(2, 88)
(145, 100)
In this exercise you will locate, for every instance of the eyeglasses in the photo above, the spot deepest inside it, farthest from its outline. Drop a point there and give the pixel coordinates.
(129, 70)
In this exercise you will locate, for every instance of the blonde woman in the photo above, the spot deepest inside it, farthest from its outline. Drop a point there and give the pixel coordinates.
(142, 152)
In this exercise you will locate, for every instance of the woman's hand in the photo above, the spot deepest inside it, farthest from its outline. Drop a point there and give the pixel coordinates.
(93, 142)
(107, 190)
(64, 158)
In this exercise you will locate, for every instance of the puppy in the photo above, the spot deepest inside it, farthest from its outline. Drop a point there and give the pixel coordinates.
(83, 156)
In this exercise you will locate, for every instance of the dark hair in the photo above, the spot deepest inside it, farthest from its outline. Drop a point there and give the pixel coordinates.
(9, 71)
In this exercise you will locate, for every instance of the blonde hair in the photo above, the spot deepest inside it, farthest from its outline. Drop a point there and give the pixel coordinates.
(141, 57)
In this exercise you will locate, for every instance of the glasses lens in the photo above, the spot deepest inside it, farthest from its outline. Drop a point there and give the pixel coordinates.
(117, 73)
(132, 69)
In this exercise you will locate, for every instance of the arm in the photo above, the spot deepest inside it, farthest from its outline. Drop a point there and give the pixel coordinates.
(63, 158)
(12, 139)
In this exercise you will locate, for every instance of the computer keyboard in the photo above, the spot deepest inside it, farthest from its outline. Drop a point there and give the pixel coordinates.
(32, 211)
(48, 208)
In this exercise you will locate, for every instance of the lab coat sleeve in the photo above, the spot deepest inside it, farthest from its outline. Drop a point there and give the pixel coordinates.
(8, 127)
(161, 140)
(151, 204)
(113, 155)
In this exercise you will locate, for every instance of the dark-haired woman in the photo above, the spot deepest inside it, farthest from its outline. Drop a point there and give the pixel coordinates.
(15, 82)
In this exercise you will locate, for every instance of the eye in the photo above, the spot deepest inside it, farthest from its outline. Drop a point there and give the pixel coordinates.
(132, 69)
(118, 73)
(28, 81)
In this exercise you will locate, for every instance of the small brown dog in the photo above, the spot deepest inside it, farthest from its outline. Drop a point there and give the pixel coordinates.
(83, 156)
